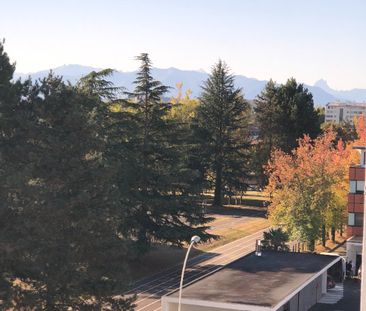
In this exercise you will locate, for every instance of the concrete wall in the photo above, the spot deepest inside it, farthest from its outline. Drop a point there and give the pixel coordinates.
(308, 296)
(353, 250)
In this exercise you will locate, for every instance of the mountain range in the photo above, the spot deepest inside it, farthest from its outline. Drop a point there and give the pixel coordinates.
(192, 80)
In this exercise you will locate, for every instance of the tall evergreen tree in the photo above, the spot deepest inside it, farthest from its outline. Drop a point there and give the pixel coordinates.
(15, 171)
(297, 114)
(155, 180)
(57, 227)
(284, 113)
(221, 131)
(266, 118)
(96, 84)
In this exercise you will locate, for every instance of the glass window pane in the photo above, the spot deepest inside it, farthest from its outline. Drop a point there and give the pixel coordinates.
(352, 186)
(358, 219)
(360, 186)
(351, 219)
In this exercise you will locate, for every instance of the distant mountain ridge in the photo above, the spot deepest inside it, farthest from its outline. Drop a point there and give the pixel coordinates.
(192, 80)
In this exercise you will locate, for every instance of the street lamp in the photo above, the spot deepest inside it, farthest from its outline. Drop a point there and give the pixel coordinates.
(194, 239)
(362, 150)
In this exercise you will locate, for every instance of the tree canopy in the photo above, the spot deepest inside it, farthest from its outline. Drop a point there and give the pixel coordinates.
(309, 187)
(284, 113)
(221, 130)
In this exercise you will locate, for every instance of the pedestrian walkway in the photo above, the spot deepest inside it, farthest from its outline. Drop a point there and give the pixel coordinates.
(333, 295)
(349, 302)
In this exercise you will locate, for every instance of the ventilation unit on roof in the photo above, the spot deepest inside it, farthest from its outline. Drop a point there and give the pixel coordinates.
(258, 248)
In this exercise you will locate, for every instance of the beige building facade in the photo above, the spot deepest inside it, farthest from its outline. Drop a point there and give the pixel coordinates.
(338, 112)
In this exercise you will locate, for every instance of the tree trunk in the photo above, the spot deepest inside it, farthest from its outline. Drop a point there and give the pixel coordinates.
(333, 233)
(323, 235)
(218, 187)
(311, 245)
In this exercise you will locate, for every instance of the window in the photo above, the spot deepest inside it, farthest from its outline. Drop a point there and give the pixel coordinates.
(360, 185)
(356, 186)
(355, 219)
(286, 307)
(351, 219)
(358, 219)
(352, 186)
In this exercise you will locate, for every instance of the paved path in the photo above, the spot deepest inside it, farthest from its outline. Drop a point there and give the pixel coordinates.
(349, 302)
(150, 290)
(333, 295)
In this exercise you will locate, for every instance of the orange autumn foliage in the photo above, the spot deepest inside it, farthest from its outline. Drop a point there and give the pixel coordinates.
(309, 186)
(360, 124)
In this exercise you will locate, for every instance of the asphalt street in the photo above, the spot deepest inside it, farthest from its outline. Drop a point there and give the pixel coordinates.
(150, 290)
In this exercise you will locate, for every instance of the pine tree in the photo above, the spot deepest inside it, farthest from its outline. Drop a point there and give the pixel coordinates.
(96, 84)
(154, 178)
(266, 115)
(58, 227)
(13, 169)
(221, 130)
(284, 113)
(297, 114)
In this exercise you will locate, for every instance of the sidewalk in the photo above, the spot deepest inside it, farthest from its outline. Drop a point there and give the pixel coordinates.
(350, 301)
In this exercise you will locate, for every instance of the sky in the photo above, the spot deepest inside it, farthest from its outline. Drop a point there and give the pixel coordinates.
(263, 39)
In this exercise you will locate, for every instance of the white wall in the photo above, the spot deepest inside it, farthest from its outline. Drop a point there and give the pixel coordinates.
(352, 251)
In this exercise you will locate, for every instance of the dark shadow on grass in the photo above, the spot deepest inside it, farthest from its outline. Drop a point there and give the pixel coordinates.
(237, 211)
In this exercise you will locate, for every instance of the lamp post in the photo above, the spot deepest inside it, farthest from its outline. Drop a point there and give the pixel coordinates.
(194, 239)
(362, 150)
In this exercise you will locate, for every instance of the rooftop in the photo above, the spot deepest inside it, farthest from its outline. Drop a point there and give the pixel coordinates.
(346, 104)
(262, 281)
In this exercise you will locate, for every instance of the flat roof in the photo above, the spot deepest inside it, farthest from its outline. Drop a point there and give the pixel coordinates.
(263, 281)
(350, 104)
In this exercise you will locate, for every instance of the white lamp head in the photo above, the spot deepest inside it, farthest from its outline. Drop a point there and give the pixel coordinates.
(195, 239)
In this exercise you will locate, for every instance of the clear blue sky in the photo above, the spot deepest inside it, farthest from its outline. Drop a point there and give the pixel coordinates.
(277, 39)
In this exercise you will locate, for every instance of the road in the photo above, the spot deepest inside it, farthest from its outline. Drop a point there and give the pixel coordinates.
(150, 290)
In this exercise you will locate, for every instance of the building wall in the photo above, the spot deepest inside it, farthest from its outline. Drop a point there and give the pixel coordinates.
(355, 204)
(353, 249)
(307, 297)
(355, 209)
(338, 112)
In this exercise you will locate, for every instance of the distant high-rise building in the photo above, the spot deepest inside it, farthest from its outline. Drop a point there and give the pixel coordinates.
(338, 112)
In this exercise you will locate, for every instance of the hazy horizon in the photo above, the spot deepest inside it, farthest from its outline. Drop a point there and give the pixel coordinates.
(171, 67)
(262, 39)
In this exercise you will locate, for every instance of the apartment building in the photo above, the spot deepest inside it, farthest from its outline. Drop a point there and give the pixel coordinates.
(338, 112)
(356, 212)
